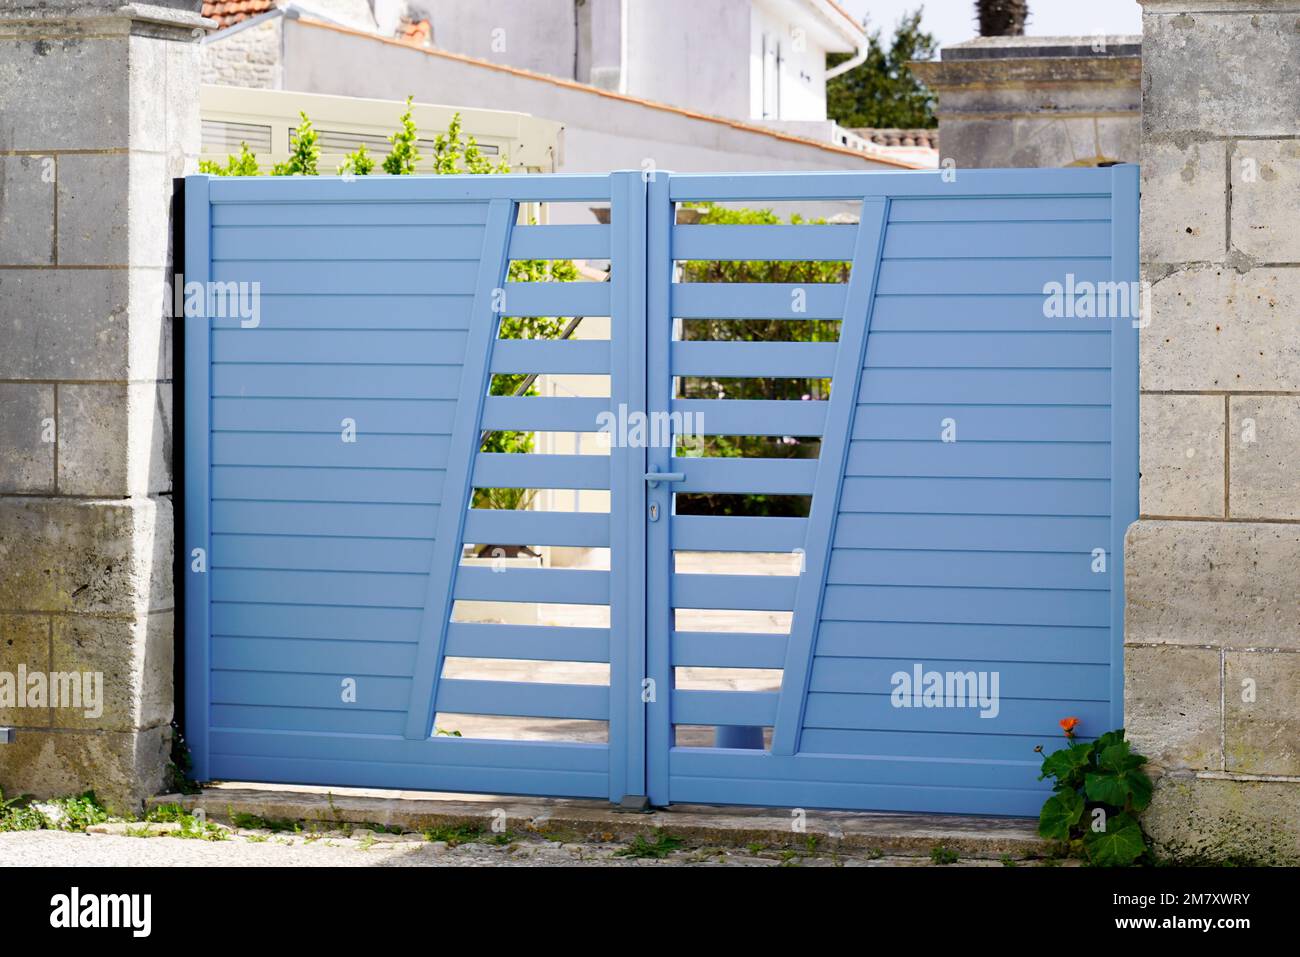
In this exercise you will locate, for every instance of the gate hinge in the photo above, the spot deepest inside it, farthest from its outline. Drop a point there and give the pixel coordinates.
(633, 804)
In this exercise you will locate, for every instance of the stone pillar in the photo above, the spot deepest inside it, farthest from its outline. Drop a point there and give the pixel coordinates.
(98, 112)
(1037, 101)
(1212, 660)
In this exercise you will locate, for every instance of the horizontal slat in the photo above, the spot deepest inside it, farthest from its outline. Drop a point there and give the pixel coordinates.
(960, 350)
(443, 347)
(309, 691)
(748, 592)
(486, 526)
(266, 213)
(389, 242)
(1024, 680)
(523, 470)
(390, 486)
(527, 642)
(589, 357)
(382, 589)
(797, 242)
(1000, 386)
(983, 423)
(310, 449)
(773, 187)
(355, 277)
(863, 566)
(306, 311)
(314, 518)
(972, 747)
(977, 496)
(556, 299)
(901, 277)
(752, 416)
(521, 187)
(737, 533)
(921, 312)
(315, 621)
(994, 606)
(263, 718)
(543, 414)
(369, 416)
(320, 552)
(703, 649)
(999, 209)
(751, 359)
(876, 712)
(523, 699)
(385, 658)
(1012, 460)
(343, 381)
(753, 476)
(560, 242)
(725, 707)
(996, 240)
(564, 585)
(964, 642)
(828, 780)
(974, 532)
(710, 300)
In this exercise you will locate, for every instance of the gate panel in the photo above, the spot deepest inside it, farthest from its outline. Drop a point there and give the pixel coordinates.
(321, 627)
(976, 473)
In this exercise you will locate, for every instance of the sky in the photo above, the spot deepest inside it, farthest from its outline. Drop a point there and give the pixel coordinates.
(952, 21)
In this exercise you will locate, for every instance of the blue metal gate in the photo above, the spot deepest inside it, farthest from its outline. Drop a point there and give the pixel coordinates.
(976, 472)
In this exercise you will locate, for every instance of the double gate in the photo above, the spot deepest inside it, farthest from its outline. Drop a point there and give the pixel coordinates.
(945, 587)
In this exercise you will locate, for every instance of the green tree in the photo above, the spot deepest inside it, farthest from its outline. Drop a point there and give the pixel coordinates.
(882, 91)
(305, 155)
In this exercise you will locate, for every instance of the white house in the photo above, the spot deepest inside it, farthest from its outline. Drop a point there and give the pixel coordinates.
(694, 85)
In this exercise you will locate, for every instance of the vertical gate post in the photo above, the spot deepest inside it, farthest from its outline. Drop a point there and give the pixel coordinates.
(100, 115)
(627, 509)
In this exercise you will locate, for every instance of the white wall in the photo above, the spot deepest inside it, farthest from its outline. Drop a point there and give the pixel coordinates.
(534, 35)
(601, 132)
(802, 68)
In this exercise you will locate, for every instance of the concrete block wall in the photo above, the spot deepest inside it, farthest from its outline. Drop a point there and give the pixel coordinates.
(1212, 660)
(100, 113)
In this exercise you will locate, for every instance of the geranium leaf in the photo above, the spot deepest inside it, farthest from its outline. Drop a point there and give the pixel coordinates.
(1060, 812)
(1119, 845)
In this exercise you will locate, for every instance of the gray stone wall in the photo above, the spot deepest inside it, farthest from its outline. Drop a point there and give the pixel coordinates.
(1037, 101)
(251, 57)
(101, 112)
(1213, 567)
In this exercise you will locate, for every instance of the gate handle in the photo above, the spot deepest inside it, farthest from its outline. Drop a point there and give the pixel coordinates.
(654, 478)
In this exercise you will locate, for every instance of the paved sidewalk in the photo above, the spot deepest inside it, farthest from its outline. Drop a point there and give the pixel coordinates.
(264, 849)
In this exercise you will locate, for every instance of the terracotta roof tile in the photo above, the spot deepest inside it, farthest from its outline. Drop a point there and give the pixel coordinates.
(229, 12)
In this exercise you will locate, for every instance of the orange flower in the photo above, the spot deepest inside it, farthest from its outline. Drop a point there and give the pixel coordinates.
(1068, 725)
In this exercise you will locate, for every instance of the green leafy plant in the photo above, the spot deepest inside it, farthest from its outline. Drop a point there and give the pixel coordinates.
(662, 845)
(943, 855)
(18, 814)
(1099, 790)
(77, 813)
(245, 164)
(403, 157)
(305, 156)
(357, 163)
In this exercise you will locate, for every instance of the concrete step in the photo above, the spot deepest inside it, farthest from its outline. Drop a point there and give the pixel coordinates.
(576, 820)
